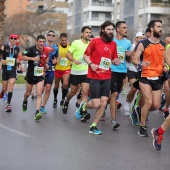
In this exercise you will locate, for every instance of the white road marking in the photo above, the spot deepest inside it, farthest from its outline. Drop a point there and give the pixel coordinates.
(15, 131)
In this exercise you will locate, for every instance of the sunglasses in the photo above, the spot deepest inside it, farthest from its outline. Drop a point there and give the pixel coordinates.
(13, 38)
(51, 35)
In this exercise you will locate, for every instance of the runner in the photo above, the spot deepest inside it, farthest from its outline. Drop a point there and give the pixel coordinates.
(62, 70)
(133, 75)
(52, 61)
(10, 53)
(157, 133)
(152, 68)
(119, 72)
(99, 55)
(79, 69)
(37, 59)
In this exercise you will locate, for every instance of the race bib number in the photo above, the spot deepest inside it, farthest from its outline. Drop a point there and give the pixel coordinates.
(63, 61)
(121, 57)
(38, 71)
(10, 61)
(82, 61)
(105, 63)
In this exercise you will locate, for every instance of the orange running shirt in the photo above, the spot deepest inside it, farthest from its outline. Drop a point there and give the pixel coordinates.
(154, 54)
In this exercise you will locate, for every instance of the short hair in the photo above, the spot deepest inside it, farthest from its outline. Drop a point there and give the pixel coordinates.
(105, 24)
(50, 31)
(85, 27)
(63, 35)
(119, 23)
(40, 37)
(147, 30)
(151, 24)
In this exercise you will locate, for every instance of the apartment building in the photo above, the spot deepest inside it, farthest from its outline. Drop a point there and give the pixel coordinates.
(54, 13)
(88, 12)
(15, 6)
(137, 14)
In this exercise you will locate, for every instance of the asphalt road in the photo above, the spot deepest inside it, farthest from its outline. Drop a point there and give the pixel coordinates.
(61, 142)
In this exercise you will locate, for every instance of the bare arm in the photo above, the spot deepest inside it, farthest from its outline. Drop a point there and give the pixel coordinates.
(69, 56)
(137, 53)
(88, 61)
(167, 56)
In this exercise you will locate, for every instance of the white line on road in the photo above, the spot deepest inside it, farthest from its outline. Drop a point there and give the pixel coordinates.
(15, 131)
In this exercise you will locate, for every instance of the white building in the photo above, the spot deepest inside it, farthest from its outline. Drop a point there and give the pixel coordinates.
(88, 12)
(138, 13)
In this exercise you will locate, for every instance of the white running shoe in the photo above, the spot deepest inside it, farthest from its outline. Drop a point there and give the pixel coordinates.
(126, 108)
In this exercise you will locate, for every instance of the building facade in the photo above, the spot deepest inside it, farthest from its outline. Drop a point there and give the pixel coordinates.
(88, 12)
(18, 6)
(137, 14)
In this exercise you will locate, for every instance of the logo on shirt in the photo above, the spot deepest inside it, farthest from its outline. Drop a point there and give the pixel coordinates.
(106, 48)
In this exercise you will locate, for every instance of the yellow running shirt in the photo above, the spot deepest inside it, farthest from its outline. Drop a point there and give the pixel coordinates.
(64, 63)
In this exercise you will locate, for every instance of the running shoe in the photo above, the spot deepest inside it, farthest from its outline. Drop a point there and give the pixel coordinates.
(118, 104)
(38, 115)
(143, 132)
(94, 130)
(114, 124)
(8, 108)
(62, 102)
(5, 97)
(126, 108)
(65, 108)
(85, 116)
(166, 114)
(134, 118)
(55, 103)
(43, 110)
(24, 106)
(157, 139)
(1, 94)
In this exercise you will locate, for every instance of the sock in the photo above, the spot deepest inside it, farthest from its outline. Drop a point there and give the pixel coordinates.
(93, 124)
(137, 99)
(55, 93)
(64, 92)
(166, 109)
(37, 111)
(9, 97)
(160, 131)
(117, 97)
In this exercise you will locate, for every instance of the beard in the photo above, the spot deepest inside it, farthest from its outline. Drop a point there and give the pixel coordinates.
(108, 38)
(156, 34)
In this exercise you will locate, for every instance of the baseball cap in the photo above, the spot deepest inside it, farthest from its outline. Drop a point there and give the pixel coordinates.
(13, 36)
(139, 34)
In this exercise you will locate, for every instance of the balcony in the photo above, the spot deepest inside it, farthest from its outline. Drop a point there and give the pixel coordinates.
(160, 4)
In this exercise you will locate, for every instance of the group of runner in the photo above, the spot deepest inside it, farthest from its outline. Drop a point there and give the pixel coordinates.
(95, 69)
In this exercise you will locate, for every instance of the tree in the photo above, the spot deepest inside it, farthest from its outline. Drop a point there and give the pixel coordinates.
(29, 25)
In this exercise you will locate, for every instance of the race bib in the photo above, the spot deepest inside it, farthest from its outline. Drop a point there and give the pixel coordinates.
(121, 56)
(82, 61)
(10, 61)
(105, 63)
(38, 71)
(63, 61)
